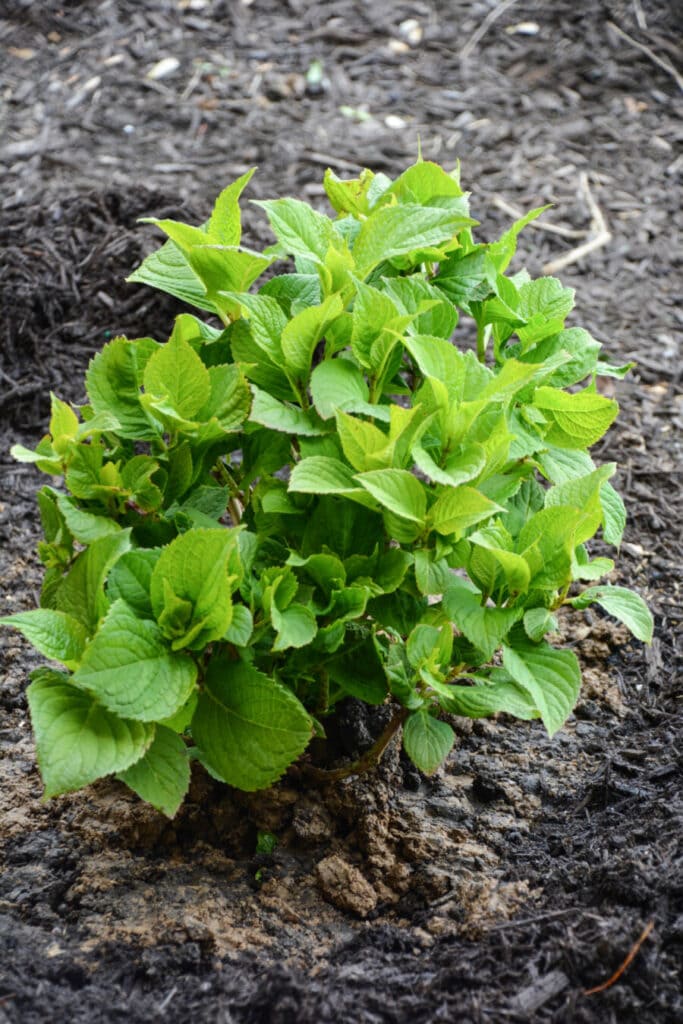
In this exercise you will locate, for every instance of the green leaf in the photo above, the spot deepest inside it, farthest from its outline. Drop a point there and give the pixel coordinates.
(460, 507)
(113, 385)
(229, 400)
(398, 491)
(424, 182)
(461, 466)
(81, 592)
(241, 626)
(63, 424)
(551, 677)
(86, 527)
(162, 775)
(348, 196)
(248, 728)
(176, 374)
(288, 419)
(576, 420)
(489, 698)
(130, 580)
(613, 514)
(131, 671)
(225, 223)
(194, 569)
(300, 230)
(296, 626)
(398, 230)
(55, 634)
(302, 334)
(169, 271)
(319, 474)
(337, 384)
(77, 740)
(484, 627)
(359, 672)
(427, 741)
(432, 574)
(624, 604)
(502, 251)
(538, 622)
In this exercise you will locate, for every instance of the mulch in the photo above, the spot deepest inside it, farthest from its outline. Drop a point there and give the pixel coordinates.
(573, 103)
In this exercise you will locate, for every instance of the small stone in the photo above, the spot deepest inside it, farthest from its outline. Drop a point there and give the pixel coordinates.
(343, 885)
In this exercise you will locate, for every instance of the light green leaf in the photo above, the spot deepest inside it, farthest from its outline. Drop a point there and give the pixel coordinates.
(168, 270)
(319, 474)
(538, 622)
(130, 580)
(427, 741)
(460, 507)
(229, 398)
(194, 569)
(461, 466)
(483, 626)
(613, 514)
(176, 374)
(337, 384)
(241, 626)
(296, 626)
(624, 604)
(248, 728)
(55, 634)
(551, 677)
(348, 196)
(426, 181)
(266, 321)
(502, 251)
(81, 592)
(562, 464)
(365, 446)
(63, 424)
(225, 223)
(397, 230)
(303, 332)
(576, 420)
(113, 385)
(489, 698)
(86, 527)
(398, 491)
(300, 230)
(131, 671)
(280, 416)
(77, 740)
(162, 775)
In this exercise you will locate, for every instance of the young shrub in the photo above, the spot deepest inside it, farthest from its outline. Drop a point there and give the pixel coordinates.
(326, 497)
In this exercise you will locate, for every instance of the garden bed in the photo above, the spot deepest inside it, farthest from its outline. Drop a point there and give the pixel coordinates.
(526, 870)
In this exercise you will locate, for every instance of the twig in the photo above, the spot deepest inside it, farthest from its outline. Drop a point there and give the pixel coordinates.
(654, 57)
(640, 15)
(629, 959)
(554, 229)
(601, 234)
(479, 34)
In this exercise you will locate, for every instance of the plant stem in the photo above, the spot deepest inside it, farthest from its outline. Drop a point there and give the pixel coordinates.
(370, 759)
(481, 342)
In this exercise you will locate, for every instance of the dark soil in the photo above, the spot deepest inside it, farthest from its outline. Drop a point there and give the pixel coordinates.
(524, 872)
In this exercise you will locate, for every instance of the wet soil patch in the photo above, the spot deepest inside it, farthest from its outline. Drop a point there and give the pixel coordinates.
(524, 872)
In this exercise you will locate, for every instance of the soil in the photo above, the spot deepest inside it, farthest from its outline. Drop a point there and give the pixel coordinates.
(524, 872)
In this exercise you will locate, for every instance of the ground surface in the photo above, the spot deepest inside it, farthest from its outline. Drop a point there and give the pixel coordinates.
(524, 872)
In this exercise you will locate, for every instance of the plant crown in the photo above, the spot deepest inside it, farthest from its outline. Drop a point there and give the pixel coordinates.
(325, 497)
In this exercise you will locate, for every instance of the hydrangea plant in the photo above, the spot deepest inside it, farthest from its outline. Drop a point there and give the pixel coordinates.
(323, 492)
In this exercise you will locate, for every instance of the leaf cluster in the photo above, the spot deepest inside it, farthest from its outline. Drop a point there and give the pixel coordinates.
(322, 497)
